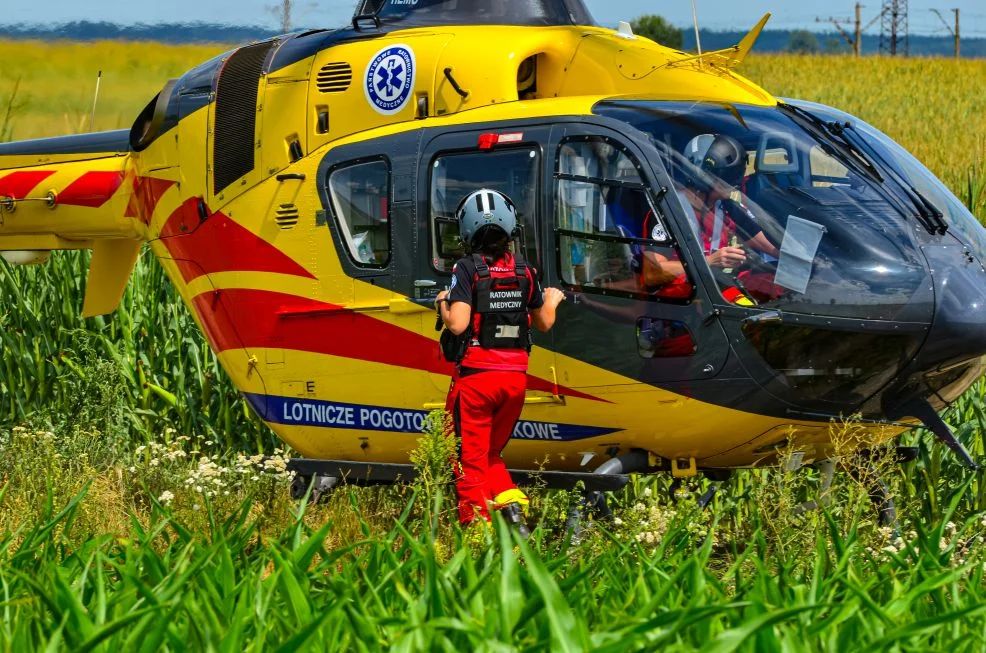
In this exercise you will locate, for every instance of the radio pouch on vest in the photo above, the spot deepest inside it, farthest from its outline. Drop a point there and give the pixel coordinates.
(453, 346)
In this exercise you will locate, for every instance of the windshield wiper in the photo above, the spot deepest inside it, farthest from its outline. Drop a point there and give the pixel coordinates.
(924, 206)
(834, 139)
(834, 145)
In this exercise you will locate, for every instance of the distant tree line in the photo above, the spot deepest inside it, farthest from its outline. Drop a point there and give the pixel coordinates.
(165, 33)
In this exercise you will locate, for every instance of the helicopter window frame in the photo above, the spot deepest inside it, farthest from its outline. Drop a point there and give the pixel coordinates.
(562, 233)
(529, 238)
(343, 226)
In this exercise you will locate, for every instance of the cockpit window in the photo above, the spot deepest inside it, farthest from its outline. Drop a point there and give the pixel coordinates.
(787, 214)
(478, 12)
(610, 238)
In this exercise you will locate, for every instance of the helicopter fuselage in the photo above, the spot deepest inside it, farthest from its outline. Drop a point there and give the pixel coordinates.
(300, 194)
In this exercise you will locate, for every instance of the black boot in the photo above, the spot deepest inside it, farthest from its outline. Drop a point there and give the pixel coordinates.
(514, 517)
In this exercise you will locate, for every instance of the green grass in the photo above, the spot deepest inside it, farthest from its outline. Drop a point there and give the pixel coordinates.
(385, 570)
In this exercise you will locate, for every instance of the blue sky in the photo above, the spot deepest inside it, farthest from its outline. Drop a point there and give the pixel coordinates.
(714, 14)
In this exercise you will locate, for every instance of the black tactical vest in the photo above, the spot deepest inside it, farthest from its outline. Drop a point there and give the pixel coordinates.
(500, 317)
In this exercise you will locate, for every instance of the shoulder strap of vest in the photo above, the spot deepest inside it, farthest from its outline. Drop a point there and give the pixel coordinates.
(520, 265)
(482, 270)
(520, 270)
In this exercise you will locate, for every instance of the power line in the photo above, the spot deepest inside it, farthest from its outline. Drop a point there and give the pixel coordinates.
(856, 40)
(954, 32)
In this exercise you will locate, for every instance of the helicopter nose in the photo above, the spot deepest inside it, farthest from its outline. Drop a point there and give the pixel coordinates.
(954, 349)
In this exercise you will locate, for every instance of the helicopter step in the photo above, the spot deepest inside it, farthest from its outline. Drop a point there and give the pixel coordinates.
(329, 473)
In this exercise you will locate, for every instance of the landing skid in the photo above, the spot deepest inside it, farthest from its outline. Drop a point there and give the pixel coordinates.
(862, 471)
(361, 473)
(323, 475)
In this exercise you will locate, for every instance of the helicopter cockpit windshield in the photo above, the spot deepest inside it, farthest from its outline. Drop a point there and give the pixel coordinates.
(954, 213)
(791, 217)
(538, 13)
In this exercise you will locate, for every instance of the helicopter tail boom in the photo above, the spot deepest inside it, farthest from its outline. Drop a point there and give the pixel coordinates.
(54, 195)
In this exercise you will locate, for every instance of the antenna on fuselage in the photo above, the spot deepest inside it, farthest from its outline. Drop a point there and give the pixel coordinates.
(95, 98)
(698, 41)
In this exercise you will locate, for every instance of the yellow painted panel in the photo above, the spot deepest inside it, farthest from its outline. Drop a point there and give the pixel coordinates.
(109, 271)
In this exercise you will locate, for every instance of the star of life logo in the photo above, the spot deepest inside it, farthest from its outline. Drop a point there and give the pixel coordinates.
(389, 79)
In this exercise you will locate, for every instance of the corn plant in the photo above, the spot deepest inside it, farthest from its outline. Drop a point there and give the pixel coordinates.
(145, 368)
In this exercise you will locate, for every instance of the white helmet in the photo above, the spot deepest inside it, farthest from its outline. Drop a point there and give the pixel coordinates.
(482, 208)
(697, 147)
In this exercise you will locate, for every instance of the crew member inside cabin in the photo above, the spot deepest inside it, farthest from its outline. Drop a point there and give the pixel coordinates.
(726, 226)
(719, 216)
(494, 300)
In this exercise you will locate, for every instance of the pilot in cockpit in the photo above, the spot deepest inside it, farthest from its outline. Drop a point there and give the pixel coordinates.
(721, 215)
(727, 227)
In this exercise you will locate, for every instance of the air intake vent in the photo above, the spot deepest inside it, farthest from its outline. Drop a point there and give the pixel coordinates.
(236, 114)
(286, 216)
(334, 77)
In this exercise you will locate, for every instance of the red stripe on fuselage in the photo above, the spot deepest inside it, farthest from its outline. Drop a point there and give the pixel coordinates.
(147, 192)
(93, 189)
(220, 244)
(19, 184)
(245, 318)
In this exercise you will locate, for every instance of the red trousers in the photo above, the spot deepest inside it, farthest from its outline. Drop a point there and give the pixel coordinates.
(485, 407)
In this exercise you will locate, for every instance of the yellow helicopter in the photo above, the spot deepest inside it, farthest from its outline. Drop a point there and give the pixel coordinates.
(300, 194)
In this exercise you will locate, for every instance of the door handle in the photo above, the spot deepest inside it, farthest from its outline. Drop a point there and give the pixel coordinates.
(544, 399)
(401, 306)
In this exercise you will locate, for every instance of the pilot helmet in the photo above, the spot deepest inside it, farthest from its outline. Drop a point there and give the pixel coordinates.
(485, 208)
(726, 159)
(697, 147)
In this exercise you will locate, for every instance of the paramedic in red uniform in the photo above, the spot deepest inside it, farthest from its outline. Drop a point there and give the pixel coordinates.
(495, 298)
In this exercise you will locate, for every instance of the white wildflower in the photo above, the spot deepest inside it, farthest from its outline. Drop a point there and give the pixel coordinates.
(166, 498)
